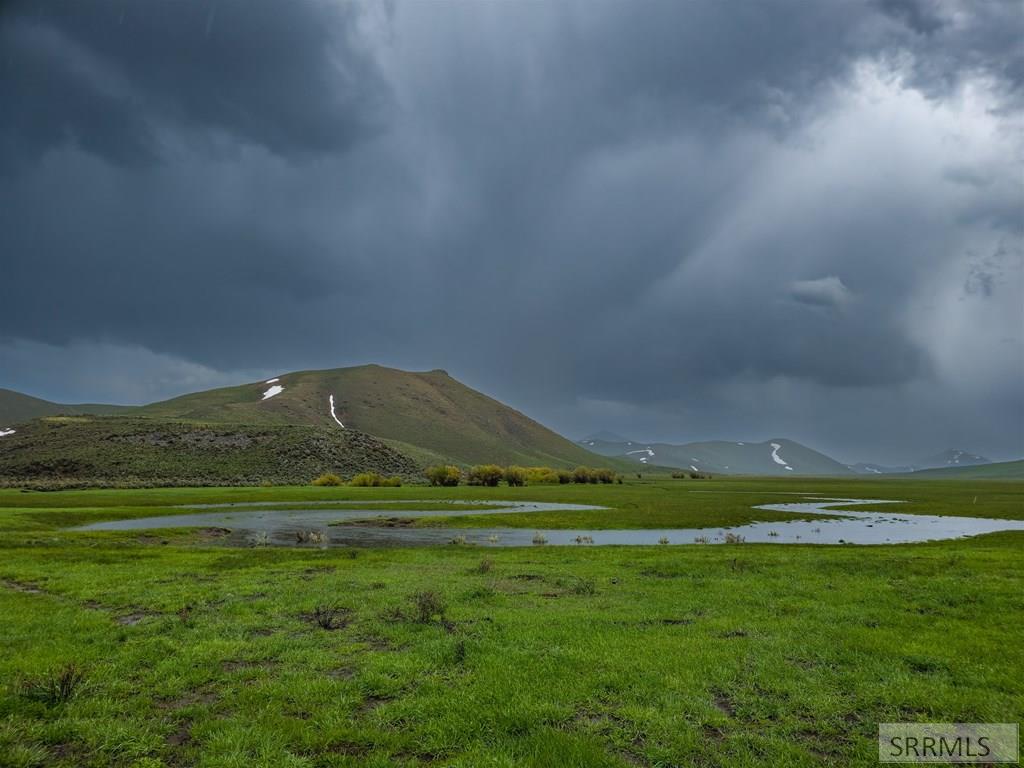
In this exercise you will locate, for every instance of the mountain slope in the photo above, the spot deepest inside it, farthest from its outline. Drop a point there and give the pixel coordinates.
(106, 450)
(772, 457)
(428, 410)
(868, 468)
(1002, 470)
(604, 436)
(953, 458)
(16, 407)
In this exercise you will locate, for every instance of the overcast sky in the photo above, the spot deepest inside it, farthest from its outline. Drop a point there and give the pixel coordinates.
(733, 219)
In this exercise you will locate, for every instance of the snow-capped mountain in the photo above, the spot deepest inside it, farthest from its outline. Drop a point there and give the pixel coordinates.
(772, 457)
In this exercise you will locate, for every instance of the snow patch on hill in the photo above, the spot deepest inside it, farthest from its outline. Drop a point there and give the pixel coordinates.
(643, 459)
(271, 381)
(277, 389)
(6, 432)
(334, 416)
(778, 459)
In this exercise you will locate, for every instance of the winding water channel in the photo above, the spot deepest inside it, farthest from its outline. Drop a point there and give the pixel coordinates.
(265, 523)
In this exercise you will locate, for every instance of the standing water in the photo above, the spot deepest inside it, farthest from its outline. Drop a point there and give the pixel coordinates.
(287, 526)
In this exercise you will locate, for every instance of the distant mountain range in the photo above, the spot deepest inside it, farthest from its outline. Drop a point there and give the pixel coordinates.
(950, 458)
(349, 419)
(1001, 470)
(16, 407)
(770, 457)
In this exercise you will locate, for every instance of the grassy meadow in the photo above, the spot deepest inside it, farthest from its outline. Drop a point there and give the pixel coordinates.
(170, 648)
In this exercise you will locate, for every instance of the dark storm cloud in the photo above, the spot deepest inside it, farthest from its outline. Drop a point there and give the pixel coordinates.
(674, 220)
(922, 16)
(115, 77)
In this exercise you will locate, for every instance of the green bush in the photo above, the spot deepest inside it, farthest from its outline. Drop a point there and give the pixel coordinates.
(444, 475)
(564, 476)
(541, 476)
(485, 474)
(583, 475)
(375, 480)
(328, 479)
(366, 480)
(589, 475)
(515, 476)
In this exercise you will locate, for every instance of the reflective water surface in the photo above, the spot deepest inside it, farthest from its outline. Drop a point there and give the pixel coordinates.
(263, 522)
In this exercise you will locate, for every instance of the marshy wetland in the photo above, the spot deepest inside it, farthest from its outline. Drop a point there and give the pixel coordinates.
(177, 646)
(817, 521)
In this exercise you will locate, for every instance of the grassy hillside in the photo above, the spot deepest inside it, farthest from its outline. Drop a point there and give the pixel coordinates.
(86, 450)
(430, 411)
(725, 457)
(16, 407)
(1003, 470)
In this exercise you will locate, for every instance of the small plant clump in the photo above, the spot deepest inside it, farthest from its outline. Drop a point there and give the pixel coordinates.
(484, 566)
(663, 540)
(701, 540)
(330, 617)
(584, 539)
(734, 538)
(584, 587)
(426, 605)
(539, 538)
(259, 539)
(310, 537)
(459, 652)
(54, 687)
(444, 475)
(328, 478)
(460, 539)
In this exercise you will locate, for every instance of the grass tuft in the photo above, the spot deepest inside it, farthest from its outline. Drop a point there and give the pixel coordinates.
(331, 617)
(484, 566)
(426, 605)
(53, 688)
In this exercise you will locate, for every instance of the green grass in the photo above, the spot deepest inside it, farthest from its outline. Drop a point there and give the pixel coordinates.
(195, 653)
(683, 513)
